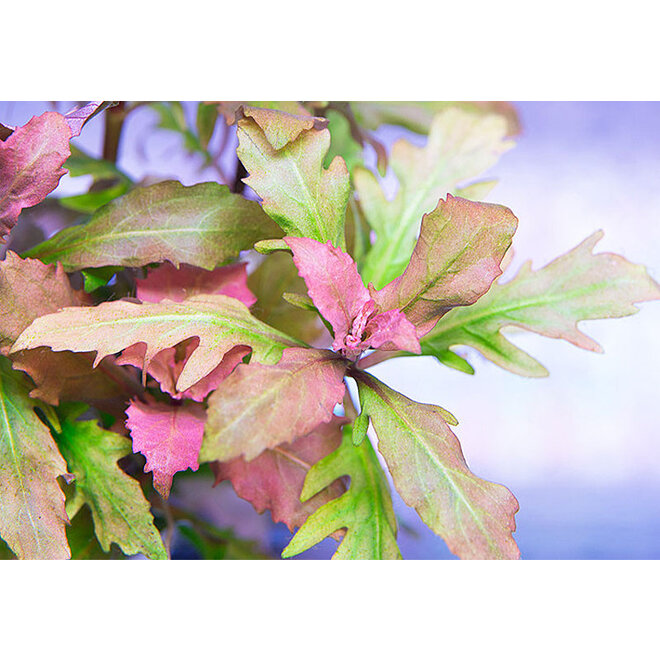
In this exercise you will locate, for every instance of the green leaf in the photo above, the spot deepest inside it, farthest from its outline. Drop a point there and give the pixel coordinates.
(32, 502)
(342, 142)
(298, 193)
(577, 286)
(460, 146)
(220, 322)
(365, 510)
(207, 116)
(203, 225)
(83, 541)
(475, 517)
(418, 116)
(120, 511)
(95, 278)
(274, 277)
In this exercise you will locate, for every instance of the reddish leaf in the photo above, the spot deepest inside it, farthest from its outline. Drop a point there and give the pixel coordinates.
(31, 160)
(166, 367)
(28, 289)
(169, 436)
(456, 259)
(337, 290)
(219, 322)
(172, 283)
(274, 480)
(259, 407)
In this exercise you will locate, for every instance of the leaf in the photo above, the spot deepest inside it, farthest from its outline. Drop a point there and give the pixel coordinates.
(577, 286)
(335, 287)
(207, 116)
(169, 436)
(220, 323)
(460, 146)
(280, 127)
(274, 479)
(78, 117)
(418, 116)
(343, 143)
(167, 365)
(475, 517)
(456, 259)
(82, 539)
(172, 283)
(32, 503)
(203, 225)
(259, 407)
(29, 288)
(31, 160)
(364, 511)
(109, 182)
(121, 513)
(275, 276)
(298, 193)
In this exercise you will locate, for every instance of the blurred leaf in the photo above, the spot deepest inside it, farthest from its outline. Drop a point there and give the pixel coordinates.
(460, 146)
(577, 286)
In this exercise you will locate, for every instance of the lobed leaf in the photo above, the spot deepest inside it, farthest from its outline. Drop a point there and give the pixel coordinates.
(460, 146)
(33, 518)
(577, 286)
(297, 192)
(364, 511)
(418, 116)
(259, 407)
(456, 258)
(31, 160)
(475, 517)
(168, 436)
(28, 289)
(119, 509)
(274, 480)
(203, 225)
(220, 323)
(281, 127)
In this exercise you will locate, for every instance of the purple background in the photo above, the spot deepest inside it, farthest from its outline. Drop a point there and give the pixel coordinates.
(579, 449)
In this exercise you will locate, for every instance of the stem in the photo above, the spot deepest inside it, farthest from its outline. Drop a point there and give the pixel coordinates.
(114, 122)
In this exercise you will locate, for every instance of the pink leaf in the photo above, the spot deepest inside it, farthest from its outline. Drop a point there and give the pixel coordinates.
(171, 283)
(336, 288)
(274, 480)
(31, 160)
(392, 328)
(168, 436)
(333, 282)
(167, 365)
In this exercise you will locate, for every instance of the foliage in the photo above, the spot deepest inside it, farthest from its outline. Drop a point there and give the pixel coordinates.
(245, 357)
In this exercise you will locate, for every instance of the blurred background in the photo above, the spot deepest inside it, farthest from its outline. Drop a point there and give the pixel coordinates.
(579, 449)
